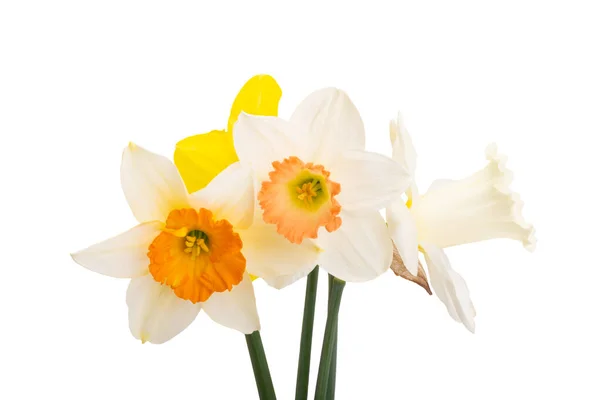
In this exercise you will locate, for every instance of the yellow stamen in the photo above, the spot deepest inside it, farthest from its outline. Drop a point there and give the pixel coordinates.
(202, 245)
(195, 244)
(308, 191)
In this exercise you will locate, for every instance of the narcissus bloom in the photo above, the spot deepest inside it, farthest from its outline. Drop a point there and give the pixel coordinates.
(186, 254)
(450, 213)
(200, 158)
(319, 189)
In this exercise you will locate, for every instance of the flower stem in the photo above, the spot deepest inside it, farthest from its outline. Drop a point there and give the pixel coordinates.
(335, 298)
(306, 336)
(264, 384)
(332, 369)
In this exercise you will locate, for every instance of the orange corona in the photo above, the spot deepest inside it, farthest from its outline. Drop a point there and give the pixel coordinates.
(197, 255)
(300, 198)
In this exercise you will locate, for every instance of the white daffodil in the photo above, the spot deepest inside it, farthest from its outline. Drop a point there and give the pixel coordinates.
(473, 209)
(319, 189)
(186, 254)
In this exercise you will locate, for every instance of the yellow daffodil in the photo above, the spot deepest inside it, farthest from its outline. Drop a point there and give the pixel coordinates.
(186, 254)
(200, 158)
(319, 189)
(450, 213)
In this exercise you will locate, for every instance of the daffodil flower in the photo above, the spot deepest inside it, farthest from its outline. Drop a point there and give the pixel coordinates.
(319, 190)
(200, 158)
(186, 254)
(450, 213)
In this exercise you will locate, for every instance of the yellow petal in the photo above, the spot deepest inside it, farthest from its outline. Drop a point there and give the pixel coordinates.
(200, 158)
(259, 96)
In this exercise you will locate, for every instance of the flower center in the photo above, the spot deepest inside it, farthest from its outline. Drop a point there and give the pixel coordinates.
(308, 191)
(196, 242)
(196, 255)
(300, 198)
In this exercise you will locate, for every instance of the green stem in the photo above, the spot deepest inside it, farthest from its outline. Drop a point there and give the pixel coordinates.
(332, 369)
(308, 321)
(264, 384)
(335, 298)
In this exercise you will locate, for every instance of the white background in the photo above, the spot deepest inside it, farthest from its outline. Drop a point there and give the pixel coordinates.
(80, 79)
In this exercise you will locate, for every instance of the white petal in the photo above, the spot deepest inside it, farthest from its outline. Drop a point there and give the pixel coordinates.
(480, 207)
(151, 184)
(450, 287)
(360, 250)
(403, 230)
(155, 313)
(438, 184)
(404, 153)
(327, 122)
(230, 196)
(279, 282)
(235, 309)
(403, 150)
(123, 256)
(259, 141)
(270, 255)
(369, 181)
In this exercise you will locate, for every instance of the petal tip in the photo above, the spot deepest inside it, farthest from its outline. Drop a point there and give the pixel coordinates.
(266, 80)
(395, 127)
(75, 257)
(491, 150)
(470, 326)
(80, 259)
(243, 121)
(531, 242)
